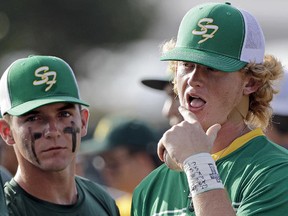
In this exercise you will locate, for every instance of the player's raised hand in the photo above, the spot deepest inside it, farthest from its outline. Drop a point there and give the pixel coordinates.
(191, 118)
(185, 139)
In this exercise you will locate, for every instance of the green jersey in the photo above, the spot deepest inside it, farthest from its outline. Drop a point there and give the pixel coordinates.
(3, 209)
(92, 201)
(253, 170)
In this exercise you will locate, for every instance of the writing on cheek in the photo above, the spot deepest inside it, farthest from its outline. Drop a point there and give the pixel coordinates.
(34, 136)
(73, 130)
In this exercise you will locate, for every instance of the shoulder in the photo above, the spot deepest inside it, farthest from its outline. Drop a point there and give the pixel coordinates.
(258, 162)
(2, 199)
(16, 197)
(90, 186)
(268, 152)
(260, 174)
(257, 147)
(95, 192)
(6, 176)
(12, 189)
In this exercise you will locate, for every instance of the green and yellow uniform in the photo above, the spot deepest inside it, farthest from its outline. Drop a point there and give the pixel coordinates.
(253, 170)
(92, 201)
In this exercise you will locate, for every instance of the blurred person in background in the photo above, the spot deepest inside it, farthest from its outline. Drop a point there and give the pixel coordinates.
(278, 130)
(124, 151)
(171, 104)
(84, 165)
(8, 161)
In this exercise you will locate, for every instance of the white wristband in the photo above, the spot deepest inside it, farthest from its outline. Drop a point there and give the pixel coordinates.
(202, 173)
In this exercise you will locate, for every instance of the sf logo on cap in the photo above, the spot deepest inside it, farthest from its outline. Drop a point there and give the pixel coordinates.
(44, 74)
(205, 25)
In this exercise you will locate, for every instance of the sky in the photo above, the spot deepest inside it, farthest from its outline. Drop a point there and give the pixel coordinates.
(113, 84)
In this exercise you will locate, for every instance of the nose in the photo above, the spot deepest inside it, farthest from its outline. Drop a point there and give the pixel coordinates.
(51, 129)
(196, 76)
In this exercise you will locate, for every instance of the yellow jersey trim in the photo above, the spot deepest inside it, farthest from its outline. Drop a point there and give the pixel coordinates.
(237, 143)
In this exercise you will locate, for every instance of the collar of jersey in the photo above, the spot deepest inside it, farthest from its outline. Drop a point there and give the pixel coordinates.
(237, 143)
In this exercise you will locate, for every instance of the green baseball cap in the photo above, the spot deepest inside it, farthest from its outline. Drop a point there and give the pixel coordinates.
(219, 36)
(31, 82)
(118, 131)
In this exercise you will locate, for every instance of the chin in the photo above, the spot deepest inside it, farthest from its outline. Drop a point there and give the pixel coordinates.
(55, 165)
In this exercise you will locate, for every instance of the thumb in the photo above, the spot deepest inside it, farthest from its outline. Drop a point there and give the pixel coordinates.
(161, 150)
(212, 132)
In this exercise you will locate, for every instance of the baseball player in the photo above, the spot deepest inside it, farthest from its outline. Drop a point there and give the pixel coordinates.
(218, 160)
(123, 144)
(171, 104)
(44, 120)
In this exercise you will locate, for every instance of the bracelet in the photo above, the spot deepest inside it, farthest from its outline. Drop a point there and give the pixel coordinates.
(202, 173)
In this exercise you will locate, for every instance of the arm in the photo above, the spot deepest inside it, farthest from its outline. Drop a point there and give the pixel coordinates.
(213, 202)
(208, 194)
(188, 138)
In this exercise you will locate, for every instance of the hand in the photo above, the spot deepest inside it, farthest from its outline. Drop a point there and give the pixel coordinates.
(185, 139)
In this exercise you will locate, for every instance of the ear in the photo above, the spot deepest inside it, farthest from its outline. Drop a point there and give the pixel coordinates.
(251, 86)
(84, 121)
(6, 132)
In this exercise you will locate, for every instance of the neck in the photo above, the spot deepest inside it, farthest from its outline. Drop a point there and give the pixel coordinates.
(227, 134)
(55, 187)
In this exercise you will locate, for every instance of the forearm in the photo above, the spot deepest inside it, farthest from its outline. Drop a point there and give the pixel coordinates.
(208, 194)
(214, 203)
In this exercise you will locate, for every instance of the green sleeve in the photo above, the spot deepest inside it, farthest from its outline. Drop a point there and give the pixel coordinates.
(135, 207)
(267, 194)
(3, 206)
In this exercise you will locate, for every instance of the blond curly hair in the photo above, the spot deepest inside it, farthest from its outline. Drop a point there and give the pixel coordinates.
(265, 74)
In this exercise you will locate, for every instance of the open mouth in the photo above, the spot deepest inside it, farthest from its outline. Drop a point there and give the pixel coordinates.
(196, 102)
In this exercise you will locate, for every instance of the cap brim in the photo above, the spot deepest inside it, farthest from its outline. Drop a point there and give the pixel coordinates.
(155, 83)
(218, 62)
(30, 105)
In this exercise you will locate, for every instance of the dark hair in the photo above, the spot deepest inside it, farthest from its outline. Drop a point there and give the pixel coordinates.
(151, 151)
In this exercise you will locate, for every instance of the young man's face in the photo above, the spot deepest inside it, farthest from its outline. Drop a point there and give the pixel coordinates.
(49, 136)
(210, 94)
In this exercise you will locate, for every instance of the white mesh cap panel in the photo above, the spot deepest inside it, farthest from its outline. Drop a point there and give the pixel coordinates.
(254, 44)
(5, 100)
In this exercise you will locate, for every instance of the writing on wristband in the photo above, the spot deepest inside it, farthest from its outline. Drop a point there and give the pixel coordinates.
(202, 173)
